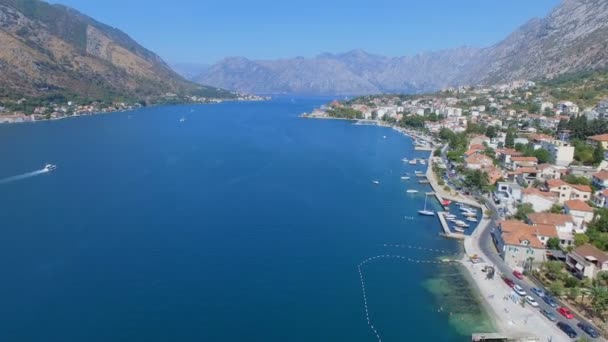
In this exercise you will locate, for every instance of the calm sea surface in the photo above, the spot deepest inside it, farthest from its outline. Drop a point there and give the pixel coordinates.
(243, 223)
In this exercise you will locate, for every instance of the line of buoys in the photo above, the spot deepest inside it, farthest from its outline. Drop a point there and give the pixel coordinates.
(436, 250)
(362, 279)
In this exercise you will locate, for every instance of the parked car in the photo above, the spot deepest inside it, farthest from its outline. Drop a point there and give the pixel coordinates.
(550, 315)
(565, 312)
(588, 329)
(531, 301)
(518, 275)
(519, 290)
(565, 327)
(540, 293)
(509, 282)
(550, 301)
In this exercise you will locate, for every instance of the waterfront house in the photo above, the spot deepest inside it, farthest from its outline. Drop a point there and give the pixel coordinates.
(477, 161)
(563, 224)
(580, 211)
(519, 244)
(540, 200)
(600, 179)
(587, 261)
(568, 191)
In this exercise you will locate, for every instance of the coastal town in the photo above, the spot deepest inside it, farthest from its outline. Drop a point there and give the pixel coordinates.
(30, 110)
(534, 160)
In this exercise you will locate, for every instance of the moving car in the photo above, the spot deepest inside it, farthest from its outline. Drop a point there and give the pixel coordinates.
(518, 274)
(550, 315)
(509, 282)
(565, 327)
(519, 290)
(588, 329)
(565, 312)
(538, 292)
(531, 301)
(550, 301)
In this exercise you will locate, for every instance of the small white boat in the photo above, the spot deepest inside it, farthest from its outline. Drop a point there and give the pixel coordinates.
(471, 219)
(458, 229)
(422, 161)
(461, 223)
(412, 191)
(376, 182)
(49, 167)
(182, 119)
(405, 160)
(469, 214)
(405, 177)
(450, 216)
(413, 162)
(384, 137)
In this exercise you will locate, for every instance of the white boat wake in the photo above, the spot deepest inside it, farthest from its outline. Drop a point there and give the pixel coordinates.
(23, 176)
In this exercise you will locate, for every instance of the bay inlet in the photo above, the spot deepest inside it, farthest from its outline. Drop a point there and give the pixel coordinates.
(241, 223)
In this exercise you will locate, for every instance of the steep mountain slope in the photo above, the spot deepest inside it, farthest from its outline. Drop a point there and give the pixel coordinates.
(49, 49)
(573, 37)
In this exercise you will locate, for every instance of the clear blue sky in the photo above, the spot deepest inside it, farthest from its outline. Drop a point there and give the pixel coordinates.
(204, 31)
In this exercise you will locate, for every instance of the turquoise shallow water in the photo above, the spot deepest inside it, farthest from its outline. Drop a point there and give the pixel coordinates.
(244, 223)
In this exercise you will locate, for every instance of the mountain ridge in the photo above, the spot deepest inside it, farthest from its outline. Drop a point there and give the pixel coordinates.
(572, 37)
(51, 49)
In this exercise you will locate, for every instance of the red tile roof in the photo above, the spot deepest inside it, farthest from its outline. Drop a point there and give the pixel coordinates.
(581, 188)
(578, 205)
(588, 250)
(602, 175)
(524, 159)
(516, 232)
(554, 183)
(549, 218)
(601, 137)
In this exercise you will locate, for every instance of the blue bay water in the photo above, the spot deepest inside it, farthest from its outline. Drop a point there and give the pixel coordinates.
(243, 223)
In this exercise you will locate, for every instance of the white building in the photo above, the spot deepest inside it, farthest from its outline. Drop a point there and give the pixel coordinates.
(562, 153)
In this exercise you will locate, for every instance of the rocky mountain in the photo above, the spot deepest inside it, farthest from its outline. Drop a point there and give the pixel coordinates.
(48, 50)
(573, 37)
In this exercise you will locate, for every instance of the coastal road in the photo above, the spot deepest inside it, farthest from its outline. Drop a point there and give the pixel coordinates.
(486, 245)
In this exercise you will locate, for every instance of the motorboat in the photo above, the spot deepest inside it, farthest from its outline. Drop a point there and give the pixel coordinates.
(461, 223)
(405, 177)
(49, 167)
(412, 191)
(471, 219)
(405, 160)
(469, 214)
(458, 229)
(413, 162)
(376, 182)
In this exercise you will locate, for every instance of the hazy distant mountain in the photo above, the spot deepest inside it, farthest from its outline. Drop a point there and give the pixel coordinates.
(189, 71)
(52, 49)
(574, 36)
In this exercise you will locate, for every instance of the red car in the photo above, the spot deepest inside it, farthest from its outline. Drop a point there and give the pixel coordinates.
(518, 275)
(565, 312)
(509, 282)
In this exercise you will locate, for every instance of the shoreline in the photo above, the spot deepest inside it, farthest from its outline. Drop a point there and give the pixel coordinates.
(123, 110)
(505, 316)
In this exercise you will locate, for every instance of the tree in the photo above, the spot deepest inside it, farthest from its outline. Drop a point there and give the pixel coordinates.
(574, 179)
(437, 152)
(510, 139)
(556, 209)
(557, 288)
(491, 132)
(553, 268)
(574, 293)
(580, 239)
(598, 154)
(523, 210)
(542, 155)
(553, 243)
(599, 299)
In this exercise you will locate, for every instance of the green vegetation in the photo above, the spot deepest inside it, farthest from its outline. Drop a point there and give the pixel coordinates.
(476, 179)
(542, 155)
(585, 88)
(344, 112)
(597, 230)
(574, 179)
(523, 210)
